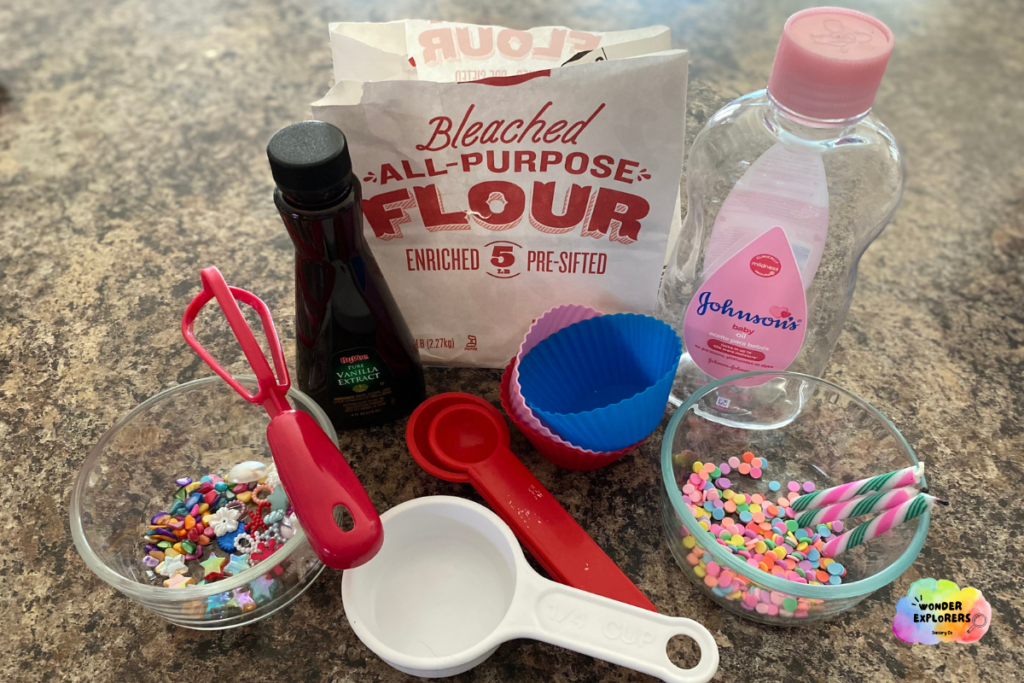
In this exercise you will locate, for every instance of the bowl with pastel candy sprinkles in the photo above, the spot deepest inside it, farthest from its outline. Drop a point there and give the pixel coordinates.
(793, 522)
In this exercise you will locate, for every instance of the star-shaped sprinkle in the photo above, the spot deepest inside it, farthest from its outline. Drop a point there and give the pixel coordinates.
(171, 566)
(213, 564)
(178, 581)
(262, 588)
(278, 499)
(216, 602)
(243, 600)
(236, 565)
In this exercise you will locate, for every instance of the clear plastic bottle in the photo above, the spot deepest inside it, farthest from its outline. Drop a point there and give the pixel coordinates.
(805, 164)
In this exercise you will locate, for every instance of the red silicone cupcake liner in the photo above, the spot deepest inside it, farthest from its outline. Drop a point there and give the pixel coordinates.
(564, 456)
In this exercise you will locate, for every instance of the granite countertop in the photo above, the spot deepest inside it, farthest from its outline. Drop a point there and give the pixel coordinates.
(132, 139)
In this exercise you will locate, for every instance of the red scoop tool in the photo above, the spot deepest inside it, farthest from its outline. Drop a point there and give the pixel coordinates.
(467, 441)
(312, 469)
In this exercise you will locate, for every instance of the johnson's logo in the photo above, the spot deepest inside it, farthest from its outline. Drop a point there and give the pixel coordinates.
(542, 127)
(353, 359)
(727, 308)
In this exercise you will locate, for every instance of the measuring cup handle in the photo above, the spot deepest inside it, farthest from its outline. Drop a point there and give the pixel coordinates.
(549, 532)
(607, 629)
(310, 452)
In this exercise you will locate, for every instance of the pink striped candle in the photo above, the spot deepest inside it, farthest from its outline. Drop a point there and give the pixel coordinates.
(910, 476)
(915, 507)
(855, 507)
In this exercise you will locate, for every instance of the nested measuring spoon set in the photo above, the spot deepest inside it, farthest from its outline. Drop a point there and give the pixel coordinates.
(434, 585)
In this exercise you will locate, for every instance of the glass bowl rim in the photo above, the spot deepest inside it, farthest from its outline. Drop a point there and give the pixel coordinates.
(150, 593)
(854, 589)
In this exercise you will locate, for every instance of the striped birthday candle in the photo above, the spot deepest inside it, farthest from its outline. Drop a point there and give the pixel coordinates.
(855, 507)
(909, 476)
(913, 508)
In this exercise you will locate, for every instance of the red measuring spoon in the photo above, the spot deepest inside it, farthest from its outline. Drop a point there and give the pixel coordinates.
(474, 440)
(417, 433)
(312, 469)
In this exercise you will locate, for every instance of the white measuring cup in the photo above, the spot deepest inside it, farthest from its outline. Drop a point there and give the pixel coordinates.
(451, 584)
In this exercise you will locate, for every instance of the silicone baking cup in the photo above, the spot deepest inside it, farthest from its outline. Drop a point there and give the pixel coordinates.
(602, 383)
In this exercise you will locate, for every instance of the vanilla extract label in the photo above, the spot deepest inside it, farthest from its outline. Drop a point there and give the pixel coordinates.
(360, 383)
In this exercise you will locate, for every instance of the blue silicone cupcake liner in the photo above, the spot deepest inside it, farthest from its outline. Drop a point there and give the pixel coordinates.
(602, 383)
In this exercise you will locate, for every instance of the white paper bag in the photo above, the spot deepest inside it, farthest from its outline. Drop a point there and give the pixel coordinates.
(498, 182)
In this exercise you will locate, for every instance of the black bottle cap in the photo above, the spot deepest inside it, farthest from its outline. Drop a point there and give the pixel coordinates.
(310, 159)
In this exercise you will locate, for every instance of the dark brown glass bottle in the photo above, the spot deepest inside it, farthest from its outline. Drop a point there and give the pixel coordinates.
(355, 354)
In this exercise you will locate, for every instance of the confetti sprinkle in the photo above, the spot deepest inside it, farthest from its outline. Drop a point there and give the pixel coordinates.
(209, 516)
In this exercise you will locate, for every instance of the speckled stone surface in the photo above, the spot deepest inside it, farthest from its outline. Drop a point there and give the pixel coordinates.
(132, 141)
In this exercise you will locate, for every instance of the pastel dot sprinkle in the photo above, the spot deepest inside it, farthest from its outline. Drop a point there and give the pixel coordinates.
(762, 533)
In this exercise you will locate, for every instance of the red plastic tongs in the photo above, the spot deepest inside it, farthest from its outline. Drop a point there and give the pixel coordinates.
(311, 467)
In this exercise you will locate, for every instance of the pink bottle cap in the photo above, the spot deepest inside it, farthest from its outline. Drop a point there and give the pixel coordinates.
(830, 63)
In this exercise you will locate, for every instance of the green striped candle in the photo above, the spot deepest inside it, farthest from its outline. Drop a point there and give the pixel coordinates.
(909, 476)
(855, 507)
(913, 508)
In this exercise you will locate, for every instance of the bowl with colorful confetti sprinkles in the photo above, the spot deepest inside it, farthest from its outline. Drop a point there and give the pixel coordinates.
(180, 508)
(775, 524)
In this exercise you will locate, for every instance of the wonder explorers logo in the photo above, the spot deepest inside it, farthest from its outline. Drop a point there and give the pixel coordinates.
(726, 308)
(940, 612)
(469, 144)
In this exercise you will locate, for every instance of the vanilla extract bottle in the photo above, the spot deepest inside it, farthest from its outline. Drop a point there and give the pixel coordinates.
(355, 356)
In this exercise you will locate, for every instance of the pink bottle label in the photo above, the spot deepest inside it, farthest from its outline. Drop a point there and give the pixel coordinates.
(749, 314)
(783, 187)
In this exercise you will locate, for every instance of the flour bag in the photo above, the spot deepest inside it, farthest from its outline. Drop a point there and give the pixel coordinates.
(505, 172)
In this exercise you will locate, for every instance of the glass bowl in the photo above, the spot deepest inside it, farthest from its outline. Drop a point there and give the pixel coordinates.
(191, 430)
(832, 437)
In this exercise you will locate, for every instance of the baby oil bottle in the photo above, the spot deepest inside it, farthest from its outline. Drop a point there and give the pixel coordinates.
(786, 189)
